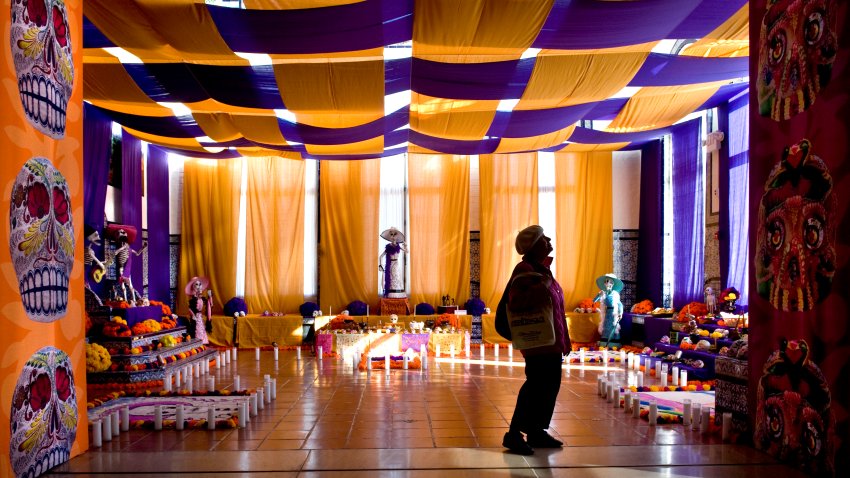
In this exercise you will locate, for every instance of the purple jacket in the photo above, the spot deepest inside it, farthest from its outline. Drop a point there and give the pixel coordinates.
(562, 339)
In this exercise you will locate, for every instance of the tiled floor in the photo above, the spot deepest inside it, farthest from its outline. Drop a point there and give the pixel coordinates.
(443, 422)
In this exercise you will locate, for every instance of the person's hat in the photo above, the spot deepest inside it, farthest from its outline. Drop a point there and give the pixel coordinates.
(618, 284)
(112, 232)
(393, 235)
(527, 237)
(205, 283)
(88, 230)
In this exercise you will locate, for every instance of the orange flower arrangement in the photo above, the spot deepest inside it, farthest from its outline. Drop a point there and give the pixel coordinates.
(696, 309)
(147, 326)
(447, 319)
(643, 307)
(166, 310)
(116, 329)
(168, 323)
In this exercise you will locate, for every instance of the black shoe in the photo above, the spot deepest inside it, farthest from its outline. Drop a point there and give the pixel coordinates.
(541, 439)
(515, 443)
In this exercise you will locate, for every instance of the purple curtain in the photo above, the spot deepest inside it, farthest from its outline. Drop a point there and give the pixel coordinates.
(739, 196)
(159, 276)
(131, 200)
(97, 143)
(689, 217)
(651, 228)
(723, 193)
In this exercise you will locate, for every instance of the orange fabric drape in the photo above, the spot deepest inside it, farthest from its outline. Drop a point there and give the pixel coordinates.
(584, 235)
(274, 256)
(211, 190)
(508, 205)
(438, 191)
(348, 233)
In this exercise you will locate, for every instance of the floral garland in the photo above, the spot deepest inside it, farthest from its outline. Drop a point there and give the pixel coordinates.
(97, 358)
(164, 393)
(692, 386)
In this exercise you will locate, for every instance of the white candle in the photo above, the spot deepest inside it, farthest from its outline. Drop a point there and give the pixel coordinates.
(167, 382)
(367, 309)
(177, 380)
(368, 362)
(298, 353)
(623, 357)
(260, 399)
(157, 417)
(616, 395)
(635, 406)
(640, 379)
(481, 351)
(609, 393)
(234, 353)
(97, 434)
(726, 426)
(599, 385)
(663, 379)
(189, 383)
(178, 417)
(423, 356)
(196, 369)
(686, 412)
(275, 354)
(658, 368)
(631, 360)
(387, 360)
(125, 419)
(627, 401)
(211, 418)
(704, 420)
(683, 378)
(511, 352)
(243, 414)
(257, 353)
(664, 367)
(605, 357)
(319, 352)
(116, 424)
(452, 351)
(273, 386)
(211, 383)
(437, 353)
(237, 383)
(581, 355)
(255, 407)
(653, 413)
(404, 363)
(496, 351)
(674, 376)
(218, 361)
(695, 416)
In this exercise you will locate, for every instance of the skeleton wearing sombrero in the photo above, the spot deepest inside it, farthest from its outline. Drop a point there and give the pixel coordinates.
(612, 309)
(391, 263)
(124, 235)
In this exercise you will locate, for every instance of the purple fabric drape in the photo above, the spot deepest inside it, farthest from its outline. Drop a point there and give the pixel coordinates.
(649, 270)
(689, 217)
(739, 196)
(159, 277)
(131, 200)
(723, 193)
(97, 142)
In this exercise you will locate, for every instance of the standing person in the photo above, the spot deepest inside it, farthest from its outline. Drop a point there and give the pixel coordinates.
(200, 306)
(536, 399)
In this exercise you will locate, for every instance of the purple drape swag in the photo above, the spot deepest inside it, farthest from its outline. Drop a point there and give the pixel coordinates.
(689, 217)
(650, 245)
(97, 142)
(159, 276)
(131, 200)
(739, 196)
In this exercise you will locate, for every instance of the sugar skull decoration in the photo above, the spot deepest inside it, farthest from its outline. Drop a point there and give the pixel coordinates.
(795, 247)
(797, 48)
(794, 419)
(44, 413)
(41, 48)
(41, 239)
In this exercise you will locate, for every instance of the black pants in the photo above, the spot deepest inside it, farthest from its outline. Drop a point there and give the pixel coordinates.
(535, 402)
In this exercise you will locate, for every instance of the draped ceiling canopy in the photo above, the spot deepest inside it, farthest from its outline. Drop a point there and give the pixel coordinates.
(350, 79)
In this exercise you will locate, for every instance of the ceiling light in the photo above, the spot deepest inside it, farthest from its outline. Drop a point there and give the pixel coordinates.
(255, 59)
(507, 105)
(530, 53)
(124, 56)
(179, 109)
(626, 92)
(285, 115)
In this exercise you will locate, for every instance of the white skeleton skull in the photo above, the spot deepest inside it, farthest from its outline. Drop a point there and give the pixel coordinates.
(41, 47)
(44, 415)
(394, 318)
(41, 239)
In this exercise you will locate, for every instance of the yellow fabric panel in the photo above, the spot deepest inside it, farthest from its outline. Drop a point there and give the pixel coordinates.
(657, 107)
(438, 195)
(222, 331)
(348, 221)
(356, 86)
(183, 143)
(584, 231)
(583, 327)
(274, 270)
(262, 129)
(110, 82)
(731, 39)
(477, 58)
(214, 106)
(565, 80)
(338, 120)
(342, 56)
(412, 148)
(454, 119)
(488, 328)
(636, 48)
(158, 30)
(257, 331)
(218, 126)
(533, 143)
(210, 211)
(472, 27)
(98, 55)
(508, 205)
(262, 152)
(294, 4)
(369, 146)
(578, 147)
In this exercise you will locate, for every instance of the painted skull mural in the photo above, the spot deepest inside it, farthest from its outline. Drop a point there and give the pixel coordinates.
(795, 247)
(794, 418)
(41, 239)
(44, 414)
(41, 48)
(797, 48)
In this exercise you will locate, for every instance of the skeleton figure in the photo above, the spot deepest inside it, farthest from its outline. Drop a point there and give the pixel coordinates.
(94, 267)
(41, 47)
(797, 48)
(710, 300)
(44, 416)
(124, 235)
(795, 246)
(391, 263)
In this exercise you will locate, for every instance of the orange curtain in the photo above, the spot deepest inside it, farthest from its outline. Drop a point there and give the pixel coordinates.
(584, 237)
(274, 269)
(211, 194)
(348, 233)
(508, 205)
(438, 191)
